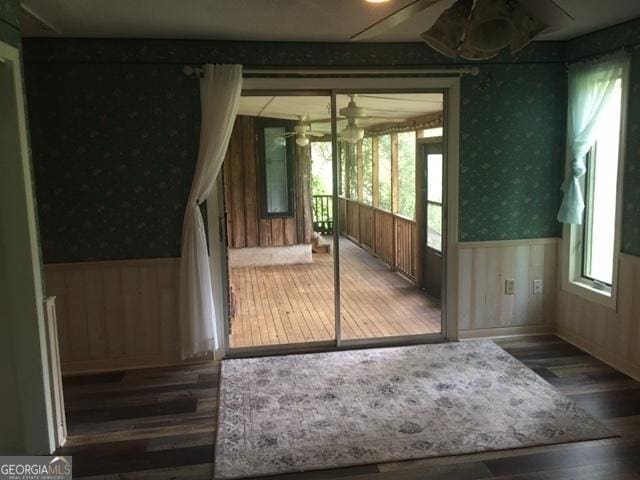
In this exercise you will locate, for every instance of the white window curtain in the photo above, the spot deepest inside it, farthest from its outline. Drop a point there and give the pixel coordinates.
(220, 97)
(591, 86)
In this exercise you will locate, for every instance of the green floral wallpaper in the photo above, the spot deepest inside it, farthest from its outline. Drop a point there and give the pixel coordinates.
(115, 137)
(10, 22)
(512, 137)
(631, 209)
(624, 35)
(114, 149)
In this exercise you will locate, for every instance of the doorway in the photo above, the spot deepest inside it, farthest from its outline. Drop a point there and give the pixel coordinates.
(346, 192)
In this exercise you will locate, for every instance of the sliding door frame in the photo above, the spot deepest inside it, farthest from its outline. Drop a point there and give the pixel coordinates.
(332, 86)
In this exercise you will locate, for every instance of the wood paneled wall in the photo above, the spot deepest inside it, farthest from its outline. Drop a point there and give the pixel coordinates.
(115, 314)
(245, 227)
(612, 335)
(484, 308)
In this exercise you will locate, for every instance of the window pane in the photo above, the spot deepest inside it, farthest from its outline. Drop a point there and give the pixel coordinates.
(407, 174)
(367, 172)
(321, 171)
(384, 171)
(601, 179)
(434, 178)
(434, 226)
(352, 168)
(277, 180)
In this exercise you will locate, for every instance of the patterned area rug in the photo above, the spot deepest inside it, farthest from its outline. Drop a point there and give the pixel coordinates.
(304, 412)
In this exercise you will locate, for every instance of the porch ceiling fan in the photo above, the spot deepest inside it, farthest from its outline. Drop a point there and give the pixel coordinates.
(302, 131)
(479, 29)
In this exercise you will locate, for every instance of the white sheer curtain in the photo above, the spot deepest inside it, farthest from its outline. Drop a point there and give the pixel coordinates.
(591, 86)
(220, 96)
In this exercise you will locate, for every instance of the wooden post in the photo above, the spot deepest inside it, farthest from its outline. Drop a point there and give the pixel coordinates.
(395, 197)
(375, 188)
(359, 171)
(420, 229)
(395, 193)
(375, 184)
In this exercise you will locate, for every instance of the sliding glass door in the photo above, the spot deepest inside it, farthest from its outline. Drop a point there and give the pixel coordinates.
(278, 181)
(328, 220)
(382, 296)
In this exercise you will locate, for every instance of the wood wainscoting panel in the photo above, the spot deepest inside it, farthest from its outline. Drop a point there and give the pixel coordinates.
(116, 314)
(611, 335)
(483, 269)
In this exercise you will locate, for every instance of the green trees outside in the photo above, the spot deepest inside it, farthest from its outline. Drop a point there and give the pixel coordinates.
(322, 172)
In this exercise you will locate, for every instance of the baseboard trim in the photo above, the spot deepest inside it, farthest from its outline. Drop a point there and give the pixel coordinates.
(508, 243)
(603, 355)
(517, 331)
(85, 367)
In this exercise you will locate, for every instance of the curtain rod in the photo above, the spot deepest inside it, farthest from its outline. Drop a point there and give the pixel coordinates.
(190, 70)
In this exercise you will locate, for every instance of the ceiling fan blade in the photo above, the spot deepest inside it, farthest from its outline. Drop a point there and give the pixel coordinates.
(396, 18)
(549, 12)
(325, 120)
(316, 134)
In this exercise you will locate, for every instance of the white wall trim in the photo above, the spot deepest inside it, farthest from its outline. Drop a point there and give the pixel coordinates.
(20, 273)
(508, 243)
(521, 331)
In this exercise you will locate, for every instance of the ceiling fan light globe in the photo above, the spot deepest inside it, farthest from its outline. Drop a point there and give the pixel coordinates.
(352, 133)
(526, 28)
(490, 27)
(302, 140)
(446, 33)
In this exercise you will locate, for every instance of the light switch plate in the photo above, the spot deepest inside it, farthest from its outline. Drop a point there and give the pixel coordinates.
(537, 287)
(509, 286)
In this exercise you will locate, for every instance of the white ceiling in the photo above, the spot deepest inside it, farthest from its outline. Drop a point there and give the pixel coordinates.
(270, 20)
(386, 108)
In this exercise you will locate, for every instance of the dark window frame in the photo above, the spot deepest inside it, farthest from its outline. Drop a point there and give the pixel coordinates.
(287, 125)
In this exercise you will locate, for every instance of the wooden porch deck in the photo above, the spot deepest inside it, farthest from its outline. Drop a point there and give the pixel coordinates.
(279, 305)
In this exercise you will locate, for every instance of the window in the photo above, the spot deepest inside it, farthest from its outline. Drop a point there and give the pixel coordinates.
(407, 174)
(591, 248)
(276, 154)
(434, 199)
(601, 178)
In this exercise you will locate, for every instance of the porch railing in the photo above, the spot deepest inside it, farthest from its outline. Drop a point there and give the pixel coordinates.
(391, 237)
(323, 214)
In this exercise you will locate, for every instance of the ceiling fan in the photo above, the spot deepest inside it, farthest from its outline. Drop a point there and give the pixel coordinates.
(479, 29)
(302, 131)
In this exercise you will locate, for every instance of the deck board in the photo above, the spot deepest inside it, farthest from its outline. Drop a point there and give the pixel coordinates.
(295, 303)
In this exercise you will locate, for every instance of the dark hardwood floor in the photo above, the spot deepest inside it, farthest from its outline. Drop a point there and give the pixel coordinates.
(160, 424)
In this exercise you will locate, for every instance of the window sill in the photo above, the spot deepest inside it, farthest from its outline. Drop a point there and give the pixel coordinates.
(583, 288)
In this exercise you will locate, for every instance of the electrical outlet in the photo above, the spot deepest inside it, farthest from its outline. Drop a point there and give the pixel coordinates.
(509, 286)
(537, 287)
